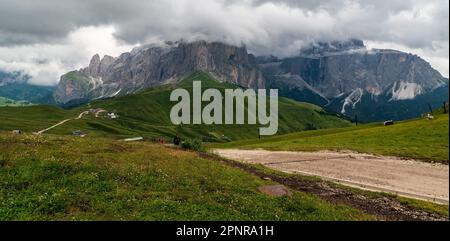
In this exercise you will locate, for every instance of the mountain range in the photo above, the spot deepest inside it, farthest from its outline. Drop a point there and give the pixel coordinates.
(150, 66)
(348, 78)
(342, 76)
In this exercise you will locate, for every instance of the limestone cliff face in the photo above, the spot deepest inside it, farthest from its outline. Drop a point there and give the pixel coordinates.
(349, 66)
(348, 78)
(150, 66)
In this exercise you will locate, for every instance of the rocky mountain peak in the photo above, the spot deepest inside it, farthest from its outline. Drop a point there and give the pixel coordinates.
(98, 66)
(346, 77)
(95, 61)
(93, 65)
(153, 65)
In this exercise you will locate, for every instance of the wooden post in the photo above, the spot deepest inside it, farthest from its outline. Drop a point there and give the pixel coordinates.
(356, 120)
(445, 108)
(431, 109)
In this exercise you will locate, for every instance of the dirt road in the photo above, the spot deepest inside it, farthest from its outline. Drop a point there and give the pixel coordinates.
(388, 174)
(53, 126)
(82, 114)
(62, 122)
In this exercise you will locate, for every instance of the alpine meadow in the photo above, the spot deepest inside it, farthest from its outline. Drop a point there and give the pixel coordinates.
(223, 119)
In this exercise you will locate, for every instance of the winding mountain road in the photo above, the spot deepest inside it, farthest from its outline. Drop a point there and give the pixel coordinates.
(62, 122)
(407, 178)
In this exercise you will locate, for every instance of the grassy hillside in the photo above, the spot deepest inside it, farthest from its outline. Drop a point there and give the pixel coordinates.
(67, 178)
(420, 139)
(148, 114)
(31, 118)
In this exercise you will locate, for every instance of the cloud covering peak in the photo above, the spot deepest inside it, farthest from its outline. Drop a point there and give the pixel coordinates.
(62, 35)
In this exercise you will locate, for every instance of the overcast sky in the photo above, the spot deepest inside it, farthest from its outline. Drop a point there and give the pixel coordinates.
(47, 38)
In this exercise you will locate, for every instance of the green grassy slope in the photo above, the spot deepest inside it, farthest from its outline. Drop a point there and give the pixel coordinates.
(31, 118)
(67, 178)
(420, 139)
(148, 114)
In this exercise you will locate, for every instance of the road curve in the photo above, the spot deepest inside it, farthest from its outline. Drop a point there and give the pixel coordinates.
(407, 178)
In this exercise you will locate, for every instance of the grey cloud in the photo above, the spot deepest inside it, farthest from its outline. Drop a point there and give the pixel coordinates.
(334, 5)
(29, 21)
(264, 26)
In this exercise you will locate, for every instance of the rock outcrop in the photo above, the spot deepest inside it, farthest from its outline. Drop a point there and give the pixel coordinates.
(333, 71)
(150, 66)
(339, 75)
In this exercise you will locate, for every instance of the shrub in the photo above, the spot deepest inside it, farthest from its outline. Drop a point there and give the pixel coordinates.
(193, 144)
(2, 161)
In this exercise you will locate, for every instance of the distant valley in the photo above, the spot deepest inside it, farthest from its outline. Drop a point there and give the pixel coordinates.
(14, 86)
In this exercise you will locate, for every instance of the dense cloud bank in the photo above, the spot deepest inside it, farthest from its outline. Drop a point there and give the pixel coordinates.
(46, 38)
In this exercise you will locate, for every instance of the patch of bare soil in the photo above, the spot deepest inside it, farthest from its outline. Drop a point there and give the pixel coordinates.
(384, 208)
(275, 190)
